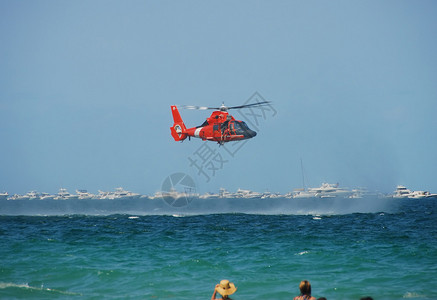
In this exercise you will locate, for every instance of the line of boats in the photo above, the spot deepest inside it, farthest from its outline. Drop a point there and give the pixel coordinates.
(326, 190)
(63, 194)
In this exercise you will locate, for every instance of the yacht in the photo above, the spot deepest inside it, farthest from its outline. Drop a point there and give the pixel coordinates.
(419, 195)
(402, 192)
(209, 195)
(32, 195)
(302, 193)
(158, 195)
(119, 193)
(223, 193)
(359, 193)
(46, 196)
(103, 195)
(28, 196)
(247, 194)
(429, 195)
(64, 195)
(173, 193)
(4, 196)
(18, 197)
(267, 195)
(326, 190)
(83, 194)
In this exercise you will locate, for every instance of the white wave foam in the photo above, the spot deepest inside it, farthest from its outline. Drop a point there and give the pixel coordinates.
(412, 295)
(5, 285)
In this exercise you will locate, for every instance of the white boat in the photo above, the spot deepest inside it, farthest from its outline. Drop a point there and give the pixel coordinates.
(32, 195)
(175, 194)
(64, 195)
(103, 195)
(359, 193)
(248, 194)
(267, 195)
(46, 196)
(18, 197)
(119, 193)
(302, 193)
(429, 195)
(223, 193)
(326, 190)
(4, 196)
(28, 196)
(83, 194)
(209, 196)
(402, 192)
(157, 195)
(418, 195)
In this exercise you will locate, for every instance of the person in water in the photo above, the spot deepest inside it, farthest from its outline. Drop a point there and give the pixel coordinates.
(305, 291)
(225, 288)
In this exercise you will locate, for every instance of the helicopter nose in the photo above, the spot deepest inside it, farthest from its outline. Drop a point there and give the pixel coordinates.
(251, 133)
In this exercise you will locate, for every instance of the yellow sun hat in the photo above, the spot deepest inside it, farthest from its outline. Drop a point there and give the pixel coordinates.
(226, 288)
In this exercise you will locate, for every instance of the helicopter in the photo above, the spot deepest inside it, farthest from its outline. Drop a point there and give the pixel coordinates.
(220, 127)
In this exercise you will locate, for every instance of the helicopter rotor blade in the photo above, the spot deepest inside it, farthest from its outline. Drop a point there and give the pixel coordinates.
(223, 107)
(249, 105)
(198, 107)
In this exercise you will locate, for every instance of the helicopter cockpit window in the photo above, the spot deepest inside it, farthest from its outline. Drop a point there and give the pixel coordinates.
(241, 125)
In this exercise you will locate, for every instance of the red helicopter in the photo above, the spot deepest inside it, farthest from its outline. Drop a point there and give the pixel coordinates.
(220, 127)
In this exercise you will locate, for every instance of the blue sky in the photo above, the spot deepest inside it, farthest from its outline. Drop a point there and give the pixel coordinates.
(86, 89)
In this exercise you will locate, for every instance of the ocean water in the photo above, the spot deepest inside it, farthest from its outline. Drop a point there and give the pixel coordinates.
(386, 255)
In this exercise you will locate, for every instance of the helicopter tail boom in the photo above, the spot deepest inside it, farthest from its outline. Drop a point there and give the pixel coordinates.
(178, 130)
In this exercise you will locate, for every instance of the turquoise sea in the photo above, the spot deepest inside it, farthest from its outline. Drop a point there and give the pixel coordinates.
(386, 255)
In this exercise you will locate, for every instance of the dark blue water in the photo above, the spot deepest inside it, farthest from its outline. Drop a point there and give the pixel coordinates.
(384, 255)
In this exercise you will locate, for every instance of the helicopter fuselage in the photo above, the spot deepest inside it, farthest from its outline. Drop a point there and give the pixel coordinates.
(220, 127)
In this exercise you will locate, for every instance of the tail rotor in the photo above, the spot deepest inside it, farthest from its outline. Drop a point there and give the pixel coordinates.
(178, 130)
